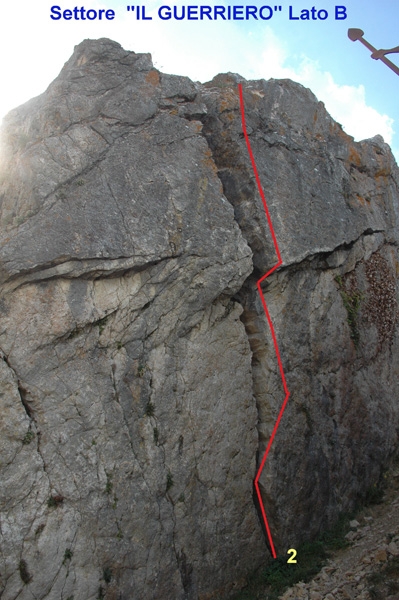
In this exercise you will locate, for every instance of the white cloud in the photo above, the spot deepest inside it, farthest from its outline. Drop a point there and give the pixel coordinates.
(33, 58)
(346, 104)
(200, 50)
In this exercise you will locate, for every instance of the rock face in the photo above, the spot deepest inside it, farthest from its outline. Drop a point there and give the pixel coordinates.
(334, 304)
(139, 384)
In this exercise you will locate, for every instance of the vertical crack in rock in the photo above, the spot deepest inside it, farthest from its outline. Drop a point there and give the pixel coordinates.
(24, 399)
(34, 428)
(363, 233)
(239, 187)
(152, 420)
(23, 393)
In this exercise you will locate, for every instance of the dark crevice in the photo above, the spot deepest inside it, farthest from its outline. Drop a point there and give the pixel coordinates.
(24, 399)
(23, 392)
(186, 573)
(241, 192)
(318, 260)
(33, 427)
(259, 513)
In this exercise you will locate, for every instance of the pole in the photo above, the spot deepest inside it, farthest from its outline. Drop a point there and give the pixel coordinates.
(357, 34)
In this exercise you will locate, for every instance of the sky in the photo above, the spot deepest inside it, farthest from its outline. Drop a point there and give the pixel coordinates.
(359, 92)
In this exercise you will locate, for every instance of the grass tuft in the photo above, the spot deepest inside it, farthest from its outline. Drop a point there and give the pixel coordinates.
(279, 575)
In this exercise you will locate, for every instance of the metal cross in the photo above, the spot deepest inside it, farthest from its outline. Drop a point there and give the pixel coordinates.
(357, 34)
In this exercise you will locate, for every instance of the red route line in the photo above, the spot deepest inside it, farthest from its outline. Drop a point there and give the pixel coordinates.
(279, 262)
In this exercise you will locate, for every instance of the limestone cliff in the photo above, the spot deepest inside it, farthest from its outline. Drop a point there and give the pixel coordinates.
(139, 384)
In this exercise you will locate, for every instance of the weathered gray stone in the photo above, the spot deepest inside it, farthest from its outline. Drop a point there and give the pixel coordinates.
(125, 355)
(334, 303)
(139, 382)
